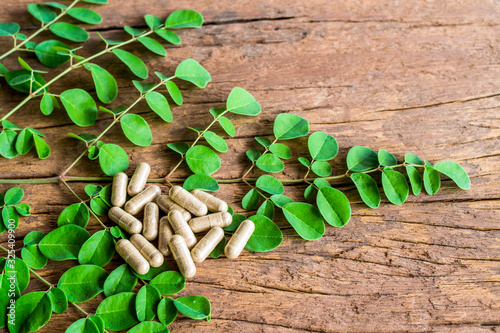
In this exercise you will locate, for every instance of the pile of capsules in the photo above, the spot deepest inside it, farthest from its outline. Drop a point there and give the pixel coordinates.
(176, 231)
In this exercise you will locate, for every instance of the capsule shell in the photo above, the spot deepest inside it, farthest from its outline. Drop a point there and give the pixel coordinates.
(207, 244)
(188, 201)
(213, 204)
(207, 222)
(181, 255)
(139, 179)
(151, 217)
(148, 251)
(137, 203)
(239, 239)
(166, 204)
(119, 189)
(165, 232)
(126, 221)
(181, 227)
(132, 256)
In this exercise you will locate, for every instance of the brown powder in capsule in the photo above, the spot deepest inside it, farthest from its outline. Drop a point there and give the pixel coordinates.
(165, 232)
(181, 227)
(139, 179)
(213, 204)
(137, 203)
(132, 256)
(119, 189)
(126, 221)
(188, 201)
(166, 204)
(148, 251)
(207, 222)
(181, 255)
(239, 239)
(151, 217)
(207, 244)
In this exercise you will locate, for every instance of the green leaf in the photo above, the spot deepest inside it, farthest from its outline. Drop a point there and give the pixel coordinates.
(120, 280)
(215, 141)
(237, 219)
(227, 125)
(7, 125)
(20, 80)
(270, 184)
(69, 31)
(367, 188)
(266, 237)
(93, 152)
(134, 63)
(190, 70)
(77, 214)
(149, 327)
(98, 2)
(136, 129)
(334, 206)
(415, 179)
(194, 307)
(270, 163)
(134, 32)
(105, 84)
(322, 147)
(169, 282)
(23, 209)
(33, 257)
(64, 242)
(184, 18)
(105, 194)
(310, 192)
(17, 271)
(201, 182)
(174, 92)
(219, 249)
(85, 15)
(42, 148)
(413, 159)
(169, 36)
(83, 137)
(253, 155)
(24, 141)
(3, 71)
(9, 28)
(153, 21)
(33, 237)
(432, 182)
(33, 311)
(80, 106)
(98, 322)
(322, 168)
(263, 141)
(24, 87)
(242, 102)
(118, 232)
(290, 126)
(8, 144)
(305, 162)
(305, 219)
(118, 311)
(455, 172)
(395, 186)
(24, 64)
(41, 13)
(202, 160)
(280, 150)
(113, 159)
(152, 45)
(361, 159)
(179, 147)
(250, 200)
(92, 190)
(386, 159)
(59, 300)
(280, 200)
(107, 41)
(82, 283)
(320, 182)
(55, 5)
(159, 104)
(167, 312)
(48, 56)
(84, 325)
(46, 104)
(10, 216)
(98, 249)
(146, 303)
(153, 272)
(13, 195)
(266, 209)
(35, 132)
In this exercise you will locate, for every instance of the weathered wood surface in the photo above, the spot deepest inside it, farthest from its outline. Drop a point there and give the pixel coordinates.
(406, 76)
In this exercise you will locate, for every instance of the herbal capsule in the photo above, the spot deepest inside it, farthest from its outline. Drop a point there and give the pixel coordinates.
(139, 179)
(137, 203)
(181, 227)
(188, 201)
(182, 256)
(207, 244)
(166, 204)
(132, 256)
(239, 239)
(213, 204)
(128, 223)
(148, 251)
(165, 232)
(207, 222)
(119, 189)
(151, 217)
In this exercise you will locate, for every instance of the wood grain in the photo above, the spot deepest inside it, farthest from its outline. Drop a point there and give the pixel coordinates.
(412, 76)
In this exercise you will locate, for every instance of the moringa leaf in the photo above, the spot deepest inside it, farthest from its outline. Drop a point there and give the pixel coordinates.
(367, 188)
(270, 163)
(270, 184)
(77, 214)
(134, 63)
(250, 200)
(120, 280)
(98, 249)
(455, 172)
(118, 311)
(113, 159)
(322, 147)
(201, 182)
(190, 70)
(136, 129)
(167, 312)
(64, 242)
(33, 311)
(194, 307)
(41, 13)
(174, 92)
(146, 303)
(415, 179)
(386, 159)
(305, 219)
(432, 182)
(82, 283)
(159, 104)
(334, 206)
(361, 159)
(169, 282)
(217, 142)
(105, 84)
(395, 186)
(202, 160)
(267, 235)
(242, 102)
(290, 126)
(85, 15)
(184, 18)
(169, 36)
(69, 31)
(80, 106)
(152, 45)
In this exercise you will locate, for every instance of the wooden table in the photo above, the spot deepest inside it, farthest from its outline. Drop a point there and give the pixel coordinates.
(405, 76)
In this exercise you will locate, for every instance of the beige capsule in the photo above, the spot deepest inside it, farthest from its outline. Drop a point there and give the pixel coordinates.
(165, 232)
(181, 255)
(166, 204)
(239, 239)
(128, 222)
(188, 201)
(132, 256)
(213, 204)
(207, 222)
(148, 251)
(207, 244)
(181, 227)
(119, 189)
(139, 179)
(151, 217)
(137, 203)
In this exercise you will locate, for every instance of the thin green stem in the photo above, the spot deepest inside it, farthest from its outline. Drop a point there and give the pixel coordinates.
(40, 278)
(79, 308)
(253, 163)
